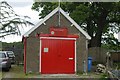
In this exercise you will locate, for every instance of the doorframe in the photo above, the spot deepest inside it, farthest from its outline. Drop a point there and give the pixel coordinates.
(61, 38)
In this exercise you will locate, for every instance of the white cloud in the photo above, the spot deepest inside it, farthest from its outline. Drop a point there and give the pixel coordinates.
(19, 4)
(19, 0)
(23, 8)
(26, 11)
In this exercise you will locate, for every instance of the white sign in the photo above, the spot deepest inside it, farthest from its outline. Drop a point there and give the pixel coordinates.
(45, 49)
(52, 32)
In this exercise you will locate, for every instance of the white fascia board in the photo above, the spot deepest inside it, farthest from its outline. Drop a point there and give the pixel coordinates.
(51, 14)
(41, 22)
(58, 38)
(75, 24)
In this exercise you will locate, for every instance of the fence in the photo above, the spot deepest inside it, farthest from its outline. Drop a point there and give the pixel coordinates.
(115, 56)
(18, 54)
(98, 54)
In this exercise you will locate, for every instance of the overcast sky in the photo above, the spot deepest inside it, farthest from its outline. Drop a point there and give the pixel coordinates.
(22, 7)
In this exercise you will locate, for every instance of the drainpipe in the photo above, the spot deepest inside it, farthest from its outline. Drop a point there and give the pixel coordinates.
(84, 68)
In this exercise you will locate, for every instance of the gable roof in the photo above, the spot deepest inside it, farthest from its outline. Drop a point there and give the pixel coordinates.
(51, 14)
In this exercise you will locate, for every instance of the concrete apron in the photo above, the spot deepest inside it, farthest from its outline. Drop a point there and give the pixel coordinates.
(59, 76)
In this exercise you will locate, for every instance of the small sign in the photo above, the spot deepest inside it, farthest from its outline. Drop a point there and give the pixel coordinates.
(52, 32)
(45, 49)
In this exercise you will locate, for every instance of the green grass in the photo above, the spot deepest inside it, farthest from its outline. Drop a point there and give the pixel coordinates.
(0, 75)
(115, 64)
(103, 77)
(17, 72)
(91, 75)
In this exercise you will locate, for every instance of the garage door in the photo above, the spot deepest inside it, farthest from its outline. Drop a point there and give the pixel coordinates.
(57, 56)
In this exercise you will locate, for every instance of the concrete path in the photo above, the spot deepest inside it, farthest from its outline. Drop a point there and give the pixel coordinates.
(57, 76)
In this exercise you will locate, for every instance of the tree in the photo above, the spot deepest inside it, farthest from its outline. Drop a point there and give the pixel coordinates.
(10, 21)
(96, 18)
(110, 42)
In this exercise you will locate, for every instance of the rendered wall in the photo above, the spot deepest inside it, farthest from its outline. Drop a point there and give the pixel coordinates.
(33, 44)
